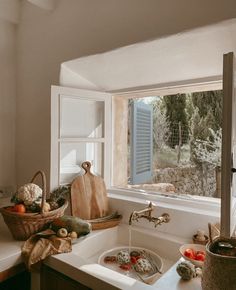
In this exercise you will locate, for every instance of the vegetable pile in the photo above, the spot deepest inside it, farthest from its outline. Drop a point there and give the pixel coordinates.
(28, 199)
(69, 225)
(134, 260)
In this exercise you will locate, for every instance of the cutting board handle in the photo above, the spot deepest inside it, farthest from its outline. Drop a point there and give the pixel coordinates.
(86, 166)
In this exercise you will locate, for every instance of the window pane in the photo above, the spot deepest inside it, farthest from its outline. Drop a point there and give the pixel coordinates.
(187, 139)
(72, 155)
(82, 118)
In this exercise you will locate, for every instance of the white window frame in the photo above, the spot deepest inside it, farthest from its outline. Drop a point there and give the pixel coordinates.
(228, 208)
(193, 203)
(56, 93)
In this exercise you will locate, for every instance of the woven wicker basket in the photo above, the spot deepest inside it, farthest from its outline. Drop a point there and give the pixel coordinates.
(219, 270)
(23, 225)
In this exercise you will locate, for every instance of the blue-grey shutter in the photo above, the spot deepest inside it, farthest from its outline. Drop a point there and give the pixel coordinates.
(141, 143)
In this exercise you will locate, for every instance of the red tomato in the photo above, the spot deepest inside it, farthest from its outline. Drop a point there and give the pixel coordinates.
(189, 253)
(200, 257)
(20, 208)
(125, 267)
(201, 252)
(133, 260)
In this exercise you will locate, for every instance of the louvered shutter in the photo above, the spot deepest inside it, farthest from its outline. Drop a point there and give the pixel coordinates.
(141, 142)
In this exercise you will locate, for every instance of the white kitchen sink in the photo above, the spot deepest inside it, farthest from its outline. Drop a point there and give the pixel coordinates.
(91, 247)
(83, 260)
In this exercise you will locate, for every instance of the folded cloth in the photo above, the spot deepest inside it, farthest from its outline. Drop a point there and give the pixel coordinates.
(43, 244)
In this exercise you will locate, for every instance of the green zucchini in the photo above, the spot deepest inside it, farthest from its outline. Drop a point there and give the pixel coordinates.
(71, 223)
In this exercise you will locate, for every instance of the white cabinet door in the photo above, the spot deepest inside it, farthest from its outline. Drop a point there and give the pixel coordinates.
(228, 183)
(80, 131)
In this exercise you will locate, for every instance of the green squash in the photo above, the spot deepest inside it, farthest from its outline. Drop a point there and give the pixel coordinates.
(71, 223)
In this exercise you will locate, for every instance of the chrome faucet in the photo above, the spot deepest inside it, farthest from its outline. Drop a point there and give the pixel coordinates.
(146, 213)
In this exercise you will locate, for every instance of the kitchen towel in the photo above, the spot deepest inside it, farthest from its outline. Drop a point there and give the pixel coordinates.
(43, 244)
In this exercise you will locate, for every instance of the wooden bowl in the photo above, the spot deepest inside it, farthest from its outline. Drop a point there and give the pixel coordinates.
(196, 241)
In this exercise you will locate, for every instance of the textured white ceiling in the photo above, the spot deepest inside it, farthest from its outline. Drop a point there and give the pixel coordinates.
(190, 55)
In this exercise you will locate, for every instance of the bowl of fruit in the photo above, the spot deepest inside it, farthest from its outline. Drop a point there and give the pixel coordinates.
(195, 253)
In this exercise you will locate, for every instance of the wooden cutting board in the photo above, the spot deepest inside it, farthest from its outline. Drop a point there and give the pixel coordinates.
(88, 195)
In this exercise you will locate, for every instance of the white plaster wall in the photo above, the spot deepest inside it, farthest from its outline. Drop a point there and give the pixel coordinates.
(7, 102)
(9, 10)
(45, 4)
(184, 222)
(83, 27)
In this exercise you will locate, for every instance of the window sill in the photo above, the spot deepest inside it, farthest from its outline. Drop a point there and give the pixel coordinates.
(191, 204)
(187, 216)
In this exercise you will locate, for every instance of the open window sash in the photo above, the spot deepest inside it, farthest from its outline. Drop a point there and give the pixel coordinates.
(80, 131)
(228, 164)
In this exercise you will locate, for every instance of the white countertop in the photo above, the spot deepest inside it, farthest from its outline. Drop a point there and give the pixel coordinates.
(10, 249)
(171, 281)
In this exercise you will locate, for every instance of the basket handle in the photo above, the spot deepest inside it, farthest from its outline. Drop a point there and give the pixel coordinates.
(211, 237)
(43, 177)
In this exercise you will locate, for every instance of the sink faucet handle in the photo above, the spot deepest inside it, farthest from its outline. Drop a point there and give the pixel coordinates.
(133, 217)
(164, 218)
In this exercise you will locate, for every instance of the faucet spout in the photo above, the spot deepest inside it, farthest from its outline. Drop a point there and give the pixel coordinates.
(144, 213)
